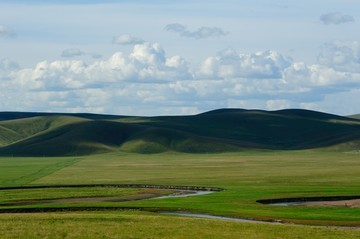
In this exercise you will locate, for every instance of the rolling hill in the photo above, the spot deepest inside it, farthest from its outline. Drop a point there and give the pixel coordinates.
(223, 130)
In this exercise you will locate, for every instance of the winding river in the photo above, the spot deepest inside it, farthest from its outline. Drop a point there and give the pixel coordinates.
(181, 191)
(329, 201)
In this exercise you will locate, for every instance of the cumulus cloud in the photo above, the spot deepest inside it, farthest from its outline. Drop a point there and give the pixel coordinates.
(6, 32)
(230, 64)
(126, 39)
(146, 63)
(147, 81)
(313, 76)
(336, 18)
(200, 33)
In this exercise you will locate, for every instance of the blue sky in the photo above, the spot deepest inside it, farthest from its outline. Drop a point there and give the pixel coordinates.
(179, 57)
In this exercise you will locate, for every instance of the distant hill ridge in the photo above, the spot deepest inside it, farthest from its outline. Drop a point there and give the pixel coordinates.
(223, 130)
(20, 115)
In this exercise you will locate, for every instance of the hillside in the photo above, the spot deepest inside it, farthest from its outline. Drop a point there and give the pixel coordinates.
(47, 134)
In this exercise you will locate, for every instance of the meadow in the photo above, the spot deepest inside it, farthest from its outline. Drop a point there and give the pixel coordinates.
(245, 176)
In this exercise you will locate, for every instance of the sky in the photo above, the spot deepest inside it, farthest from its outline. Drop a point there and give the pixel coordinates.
(160, 57)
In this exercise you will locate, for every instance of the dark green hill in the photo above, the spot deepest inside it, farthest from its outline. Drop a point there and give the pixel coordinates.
(73, 139)
(38, 134)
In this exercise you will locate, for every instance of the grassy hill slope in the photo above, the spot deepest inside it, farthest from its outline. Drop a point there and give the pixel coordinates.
(38, 134)
(20, 129)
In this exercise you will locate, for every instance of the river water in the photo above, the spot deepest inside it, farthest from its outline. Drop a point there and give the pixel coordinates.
(191, 193)
(201, 215)
(185, 193)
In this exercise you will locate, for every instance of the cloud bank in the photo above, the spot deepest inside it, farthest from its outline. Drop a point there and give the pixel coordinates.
(200, 33)
(147, 81)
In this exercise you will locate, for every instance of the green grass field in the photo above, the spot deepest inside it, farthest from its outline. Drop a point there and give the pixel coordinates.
(250, 154)
(21, 171)
(245, 177)
(150, 225)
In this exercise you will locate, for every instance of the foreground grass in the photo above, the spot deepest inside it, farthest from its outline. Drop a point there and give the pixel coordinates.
(245, 178)
(149, 225)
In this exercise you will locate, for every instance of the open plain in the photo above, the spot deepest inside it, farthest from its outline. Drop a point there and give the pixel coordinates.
(110, 191)
(245, 177)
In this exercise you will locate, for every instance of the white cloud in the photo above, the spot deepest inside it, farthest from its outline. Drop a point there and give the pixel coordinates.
(316, 75)
(147, 81)
(57, 75)
(148, 54)
(230, 64)
(147, 63)
(126, 39)
(201, 32)
(336, 18)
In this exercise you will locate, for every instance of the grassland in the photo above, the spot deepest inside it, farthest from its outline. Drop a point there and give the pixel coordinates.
(245, 178)
(149, 225)
(251, 155)
(21, 171)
